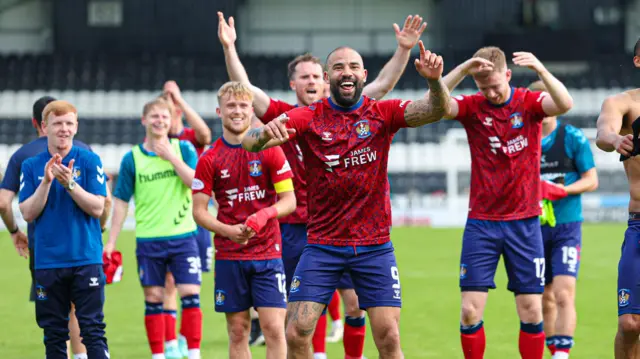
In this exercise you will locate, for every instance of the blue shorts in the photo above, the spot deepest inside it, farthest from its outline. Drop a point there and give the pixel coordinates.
(629, 271)
(240, 285)
(520, 242)
(178, 256)
(562, 245)
(373, 270)
(294, 239)
(205, 248)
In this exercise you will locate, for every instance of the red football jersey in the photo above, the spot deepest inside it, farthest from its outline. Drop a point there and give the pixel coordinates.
(242, 183)
(189, 134)
(294, 155)
(504, 142)
(345, 153)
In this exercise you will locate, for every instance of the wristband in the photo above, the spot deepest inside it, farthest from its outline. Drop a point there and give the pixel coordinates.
(261, 217)
(15, 230)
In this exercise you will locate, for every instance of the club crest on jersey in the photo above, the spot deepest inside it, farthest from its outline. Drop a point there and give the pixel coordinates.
(41, 293)
(362, 129)
(255, 168)
(220, 297)
(516, 120)
(623, 297)
(76, 173)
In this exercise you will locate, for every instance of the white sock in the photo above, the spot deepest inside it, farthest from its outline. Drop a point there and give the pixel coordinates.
(319, 355)
(560, 355)
(157, 356)
(337, 323)
(182, 337)
(171, 343)
(80, 356)
(194, 353)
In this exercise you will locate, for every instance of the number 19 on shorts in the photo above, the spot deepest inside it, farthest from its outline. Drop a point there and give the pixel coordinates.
(540, 269)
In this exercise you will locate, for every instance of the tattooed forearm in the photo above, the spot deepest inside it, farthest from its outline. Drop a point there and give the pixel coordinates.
(254, 140)
(430, 109)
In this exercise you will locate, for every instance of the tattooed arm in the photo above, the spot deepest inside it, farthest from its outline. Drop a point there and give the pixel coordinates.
(258, 139)
(432, 108)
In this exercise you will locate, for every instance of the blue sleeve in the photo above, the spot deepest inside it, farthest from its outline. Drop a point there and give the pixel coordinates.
(581, 150)
(126, 178)
(96, 179)
(189, 154)
(11, 180)
(27, 184)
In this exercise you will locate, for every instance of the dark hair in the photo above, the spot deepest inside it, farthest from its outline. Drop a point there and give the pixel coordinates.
(291, 68)
(39, 106)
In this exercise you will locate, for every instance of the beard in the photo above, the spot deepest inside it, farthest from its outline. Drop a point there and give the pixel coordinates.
(236, 130)
(348, 100)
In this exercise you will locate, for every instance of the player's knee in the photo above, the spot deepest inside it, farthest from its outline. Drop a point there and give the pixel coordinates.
(529, 308)
(629, 324)
(564, 298)
(470, 313)
(239, 332)
(273, 330)
(169, 282)
(387, 338)
(548, 300)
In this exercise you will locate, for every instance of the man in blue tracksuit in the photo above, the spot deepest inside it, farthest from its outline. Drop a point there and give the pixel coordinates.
(62, 191)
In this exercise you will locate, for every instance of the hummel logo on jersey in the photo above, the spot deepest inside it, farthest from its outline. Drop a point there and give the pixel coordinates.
(285, 168)
(100, 179)
(224, 174)
(94, 282)
(333, 160)
(40, 178)
(100, 170)
(326, 136)
(488, 121)
(494, 142)
(232, 194)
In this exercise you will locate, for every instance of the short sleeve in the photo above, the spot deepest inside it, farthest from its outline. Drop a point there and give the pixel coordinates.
(533, 102)
(299, 118)
(97, 179)
(275, 109)
(393, 113)
(464, 106)
(28, 185)
(189, 154)
(11, 180)
(277, 165)
(582, 154)
(204, 177)
(126, 178)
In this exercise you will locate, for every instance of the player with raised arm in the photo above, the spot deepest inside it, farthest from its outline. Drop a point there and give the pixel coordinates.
(305, 78)
(345, 142)
(199, 135)
(158, 175)
(62, 192)
(252, 190)
(566, 160)
(11, 186)
(504, 132)
(618, 130)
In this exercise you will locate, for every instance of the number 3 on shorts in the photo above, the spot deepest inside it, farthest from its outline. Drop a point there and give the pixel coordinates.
(540, 268)
(195, 266)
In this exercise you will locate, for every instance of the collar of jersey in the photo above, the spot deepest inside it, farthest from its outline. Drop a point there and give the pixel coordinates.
(71, 153)
(506, 103)
(346, 109)
(145, 152)
(230, 145)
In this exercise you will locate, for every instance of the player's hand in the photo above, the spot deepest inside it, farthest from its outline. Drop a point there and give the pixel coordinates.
(164, 150)
(476, 65)
(277, 129)
(48, 173)
(237, 233)
(21, 242)
(64, 174)
(411, 31)
(430, 65)
(624, 145)
(226, 32)
(527, 59)
(171, 87)
(109, 248)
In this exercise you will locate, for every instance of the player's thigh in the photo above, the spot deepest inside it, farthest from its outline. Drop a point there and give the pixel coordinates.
(53, 297)
(294, 239)
(232, 288)
(567, 243)
(184, 262)
(267, 282)
(87, 292)
(272, 319)
(524, 256)
(205, 249)
(384, 323)
(376, 278)
(317, 275)
(482, 245)
(152, 266)
(629, 271)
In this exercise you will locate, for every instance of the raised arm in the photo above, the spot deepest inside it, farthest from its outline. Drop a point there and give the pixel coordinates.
(270, 135)
(199, 126)
(559, 101)
(436, 103)
(237, 72)
(609, 124)
(393, 70)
